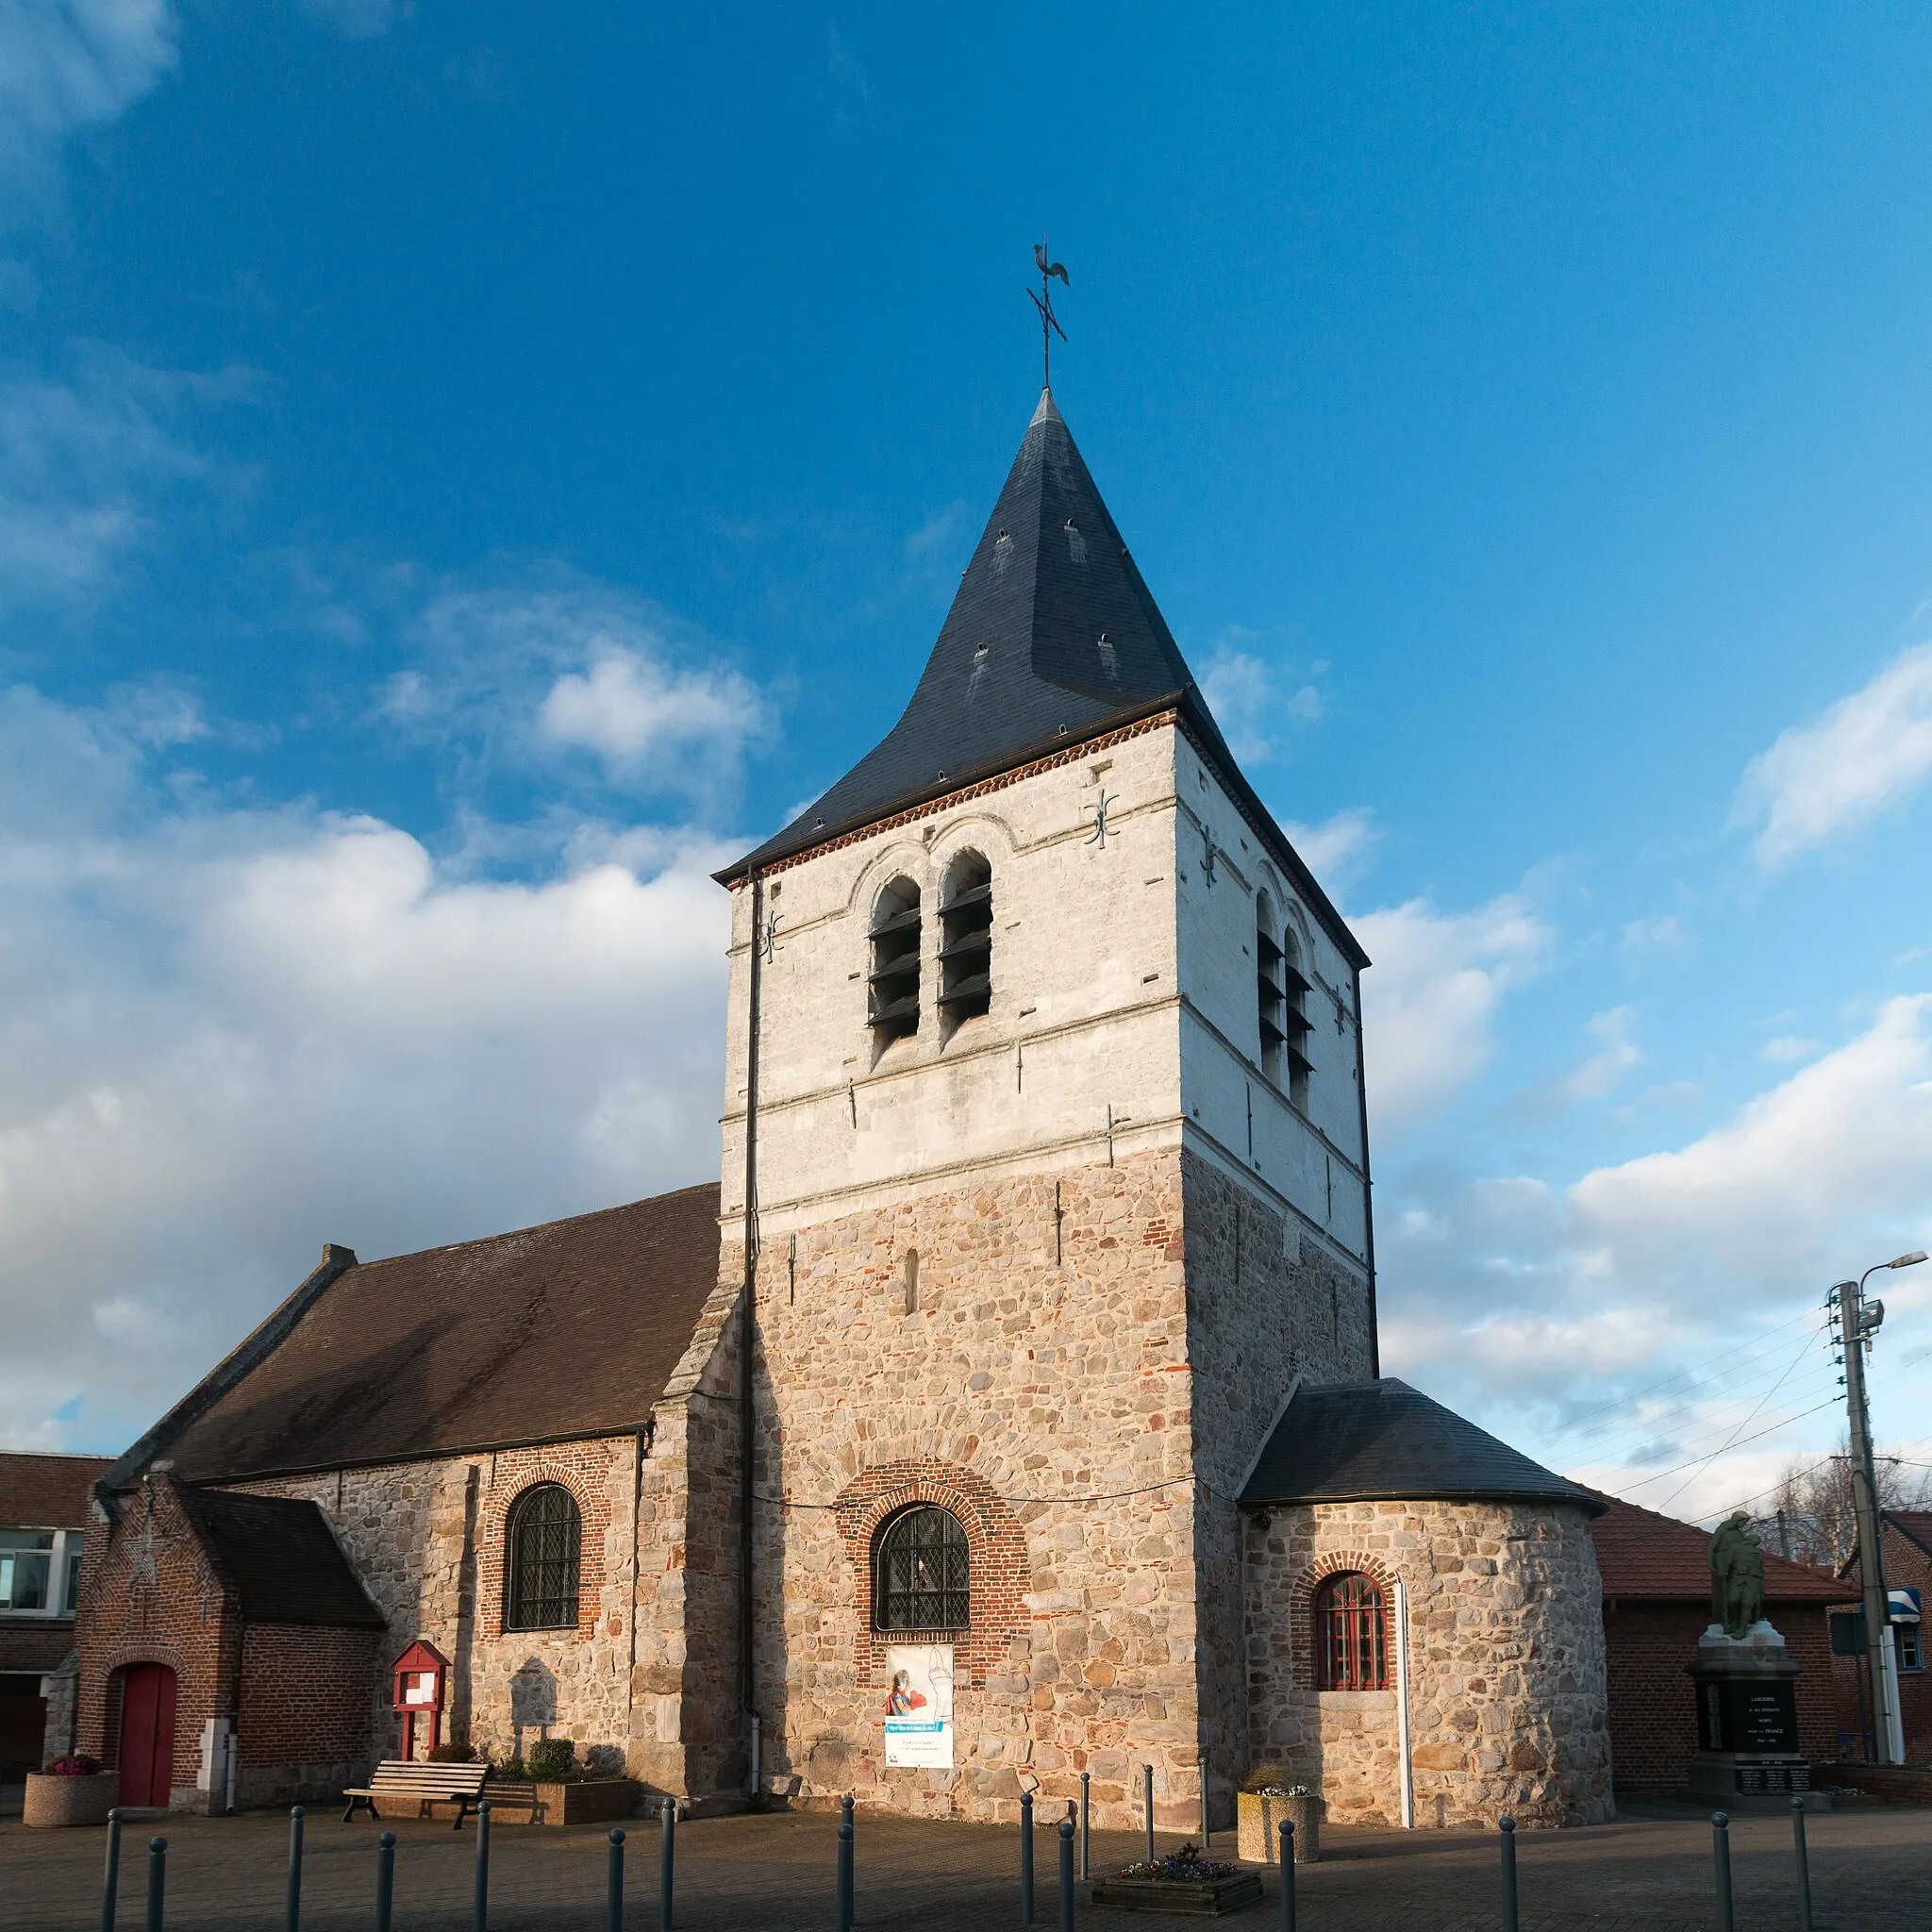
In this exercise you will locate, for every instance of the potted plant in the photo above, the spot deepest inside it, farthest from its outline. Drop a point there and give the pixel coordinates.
(71, 1790)
(1267, 1795)
(559, 1789)
(1185, 1881)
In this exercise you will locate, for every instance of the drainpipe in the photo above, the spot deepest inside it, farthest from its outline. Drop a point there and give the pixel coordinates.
(1402, 1704)
(747, 1433)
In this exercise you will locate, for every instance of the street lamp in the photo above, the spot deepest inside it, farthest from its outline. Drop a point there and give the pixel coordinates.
(1858, 1324)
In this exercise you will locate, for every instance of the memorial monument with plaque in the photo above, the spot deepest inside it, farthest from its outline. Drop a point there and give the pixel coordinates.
(1747, 1707)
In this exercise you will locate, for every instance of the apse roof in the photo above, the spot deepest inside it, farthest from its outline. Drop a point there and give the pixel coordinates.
(1053, 638)
(1376, 1442)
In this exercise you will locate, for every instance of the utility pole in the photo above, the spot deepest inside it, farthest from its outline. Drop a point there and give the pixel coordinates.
(1857, 1324)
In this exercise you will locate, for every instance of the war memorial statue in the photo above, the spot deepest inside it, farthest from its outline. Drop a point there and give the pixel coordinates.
(1737, 1577)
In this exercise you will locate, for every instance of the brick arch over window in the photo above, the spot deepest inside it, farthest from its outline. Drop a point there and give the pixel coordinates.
(1301, 1599)
(515, 1478)
(995, 1550)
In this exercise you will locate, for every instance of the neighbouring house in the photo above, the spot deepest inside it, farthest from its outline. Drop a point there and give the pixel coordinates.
(44, 1513)
(1011, 1407)
(1657, 1603)
(1906, 1553)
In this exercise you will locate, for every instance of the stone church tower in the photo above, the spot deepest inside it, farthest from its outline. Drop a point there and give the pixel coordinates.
(1045, 1072)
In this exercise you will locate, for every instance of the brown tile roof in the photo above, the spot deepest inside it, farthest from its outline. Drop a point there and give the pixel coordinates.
(47, 1491)
(1643, 1554)
(1916, 1524)
(569, 1329)
(282, 1559)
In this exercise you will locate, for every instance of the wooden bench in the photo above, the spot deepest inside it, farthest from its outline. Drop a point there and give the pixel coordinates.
(396, 1782)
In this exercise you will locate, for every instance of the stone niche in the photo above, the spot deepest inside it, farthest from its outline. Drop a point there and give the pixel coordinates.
(1506, 1683)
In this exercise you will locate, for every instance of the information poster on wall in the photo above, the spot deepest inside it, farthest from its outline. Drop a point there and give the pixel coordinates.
(919, 1705)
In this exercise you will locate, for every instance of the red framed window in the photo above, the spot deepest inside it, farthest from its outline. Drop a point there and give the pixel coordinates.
(1352, 1633)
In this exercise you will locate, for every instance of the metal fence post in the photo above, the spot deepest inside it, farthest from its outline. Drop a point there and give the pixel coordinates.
(614, 1885)
(156, 1882)
(1287, 1843)
(483, 1866)
(667, 1866)
(110, 1878)
(1066, 1874)
(844, 1865)
(1507, 1827)
(385, 1880)
(1804, 1864)
(1147, 1789)
(1086, 1824)
(1721, 1854)
(1025, 1857)
(291, 1910)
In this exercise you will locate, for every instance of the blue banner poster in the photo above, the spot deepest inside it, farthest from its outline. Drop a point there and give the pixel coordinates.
(919, 1705)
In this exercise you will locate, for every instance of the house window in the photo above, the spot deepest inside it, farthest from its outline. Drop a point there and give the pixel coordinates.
(966, 939)
(545, 1533)
(894, 981)
(26, 1568)
(1352, 1633)
(919, 1574)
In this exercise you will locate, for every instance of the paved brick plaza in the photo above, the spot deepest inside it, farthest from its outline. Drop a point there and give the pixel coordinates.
(742, 1875)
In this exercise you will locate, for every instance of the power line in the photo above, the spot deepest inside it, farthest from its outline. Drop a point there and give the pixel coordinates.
(1744, 1425)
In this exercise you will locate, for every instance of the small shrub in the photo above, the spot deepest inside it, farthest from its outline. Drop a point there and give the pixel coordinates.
(552, 1760)
(512, 1770)
(73, 1766)
(1186, 1866)
(453, 1754)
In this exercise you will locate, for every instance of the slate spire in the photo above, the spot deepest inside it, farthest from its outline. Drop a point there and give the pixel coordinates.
(1052, 637)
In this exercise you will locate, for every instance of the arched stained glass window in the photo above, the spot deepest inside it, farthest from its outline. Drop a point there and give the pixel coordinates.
(545, 1535)
(920, 1572)
(1352, 1633)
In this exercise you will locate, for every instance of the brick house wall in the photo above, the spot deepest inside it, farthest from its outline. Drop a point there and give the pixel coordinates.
(1506, 1662)
(302, 1721)
(1906, 1566)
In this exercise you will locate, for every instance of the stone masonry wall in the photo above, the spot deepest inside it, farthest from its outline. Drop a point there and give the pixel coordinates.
(1051, 1395)
(1506, 1697)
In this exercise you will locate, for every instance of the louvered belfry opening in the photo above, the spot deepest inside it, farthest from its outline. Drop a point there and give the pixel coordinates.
(1294, 1016)
(1269, 992)
(966, 939)
(894, 981)
(920, 1579)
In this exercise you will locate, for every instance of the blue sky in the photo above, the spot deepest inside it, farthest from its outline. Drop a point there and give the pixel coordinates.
(464, 472)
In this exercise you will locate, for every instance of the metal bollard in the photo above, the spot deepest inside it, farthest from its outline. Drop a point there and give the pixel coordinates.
(292, 1909)
(483, 1866)
(1804, 1864)
(1287, 1845)
(1507, 1827)
(110, 1878)
(1086, 1824)
(1025, 1857)
(1066, 1874)
(844, 1865)
(1721, 1856)
(156, 1882)
(667, 1866)
(1206, 1829)
(1147, 1789)
(614, 1885)
(385, 1880)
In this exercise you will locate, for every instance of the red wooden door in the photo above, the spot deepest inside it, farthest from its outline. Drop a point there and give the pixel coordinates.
(147, 1734)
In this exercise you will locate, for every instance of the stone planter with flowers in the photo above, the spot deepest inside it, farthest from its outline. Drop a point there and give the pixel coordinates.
(1267, 1796)
(71, 1790)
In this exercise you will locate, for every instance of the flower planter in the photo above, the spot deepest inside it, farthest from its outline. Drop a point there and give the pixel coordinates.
(585, 1801)
(1261, 1813)
(1203, 1897)
(56, 1800)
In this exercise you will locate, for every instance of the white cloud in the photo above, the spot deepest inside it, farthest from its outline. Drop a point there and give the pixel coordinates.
(1255, 698)
(630, 706)
(1864, 754)
(1614, 1057)
(1786, 1048)
(1431, 999)
(227, 1036)
(66, 65)
(1337, 845)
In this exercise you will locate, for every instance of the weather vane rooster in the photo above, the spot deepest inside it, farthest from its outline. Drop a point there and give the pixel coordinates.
(1049, 322)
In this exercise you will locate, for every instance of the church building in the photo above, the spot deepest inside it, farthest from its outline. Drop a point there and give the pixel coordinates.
(1009, 1409)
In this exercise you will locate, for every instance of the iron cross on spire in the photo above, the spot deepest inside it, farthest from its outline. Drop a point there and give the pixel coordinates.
(1049, 322)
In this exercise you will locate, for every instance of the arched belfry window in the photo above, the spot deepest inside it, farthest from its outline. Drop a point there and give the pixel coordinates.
(894, 981)
(545, 1537)
(1271, 995)
(920, 1572)
(1296, 986)
(1351, 1632)
(966, 939)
